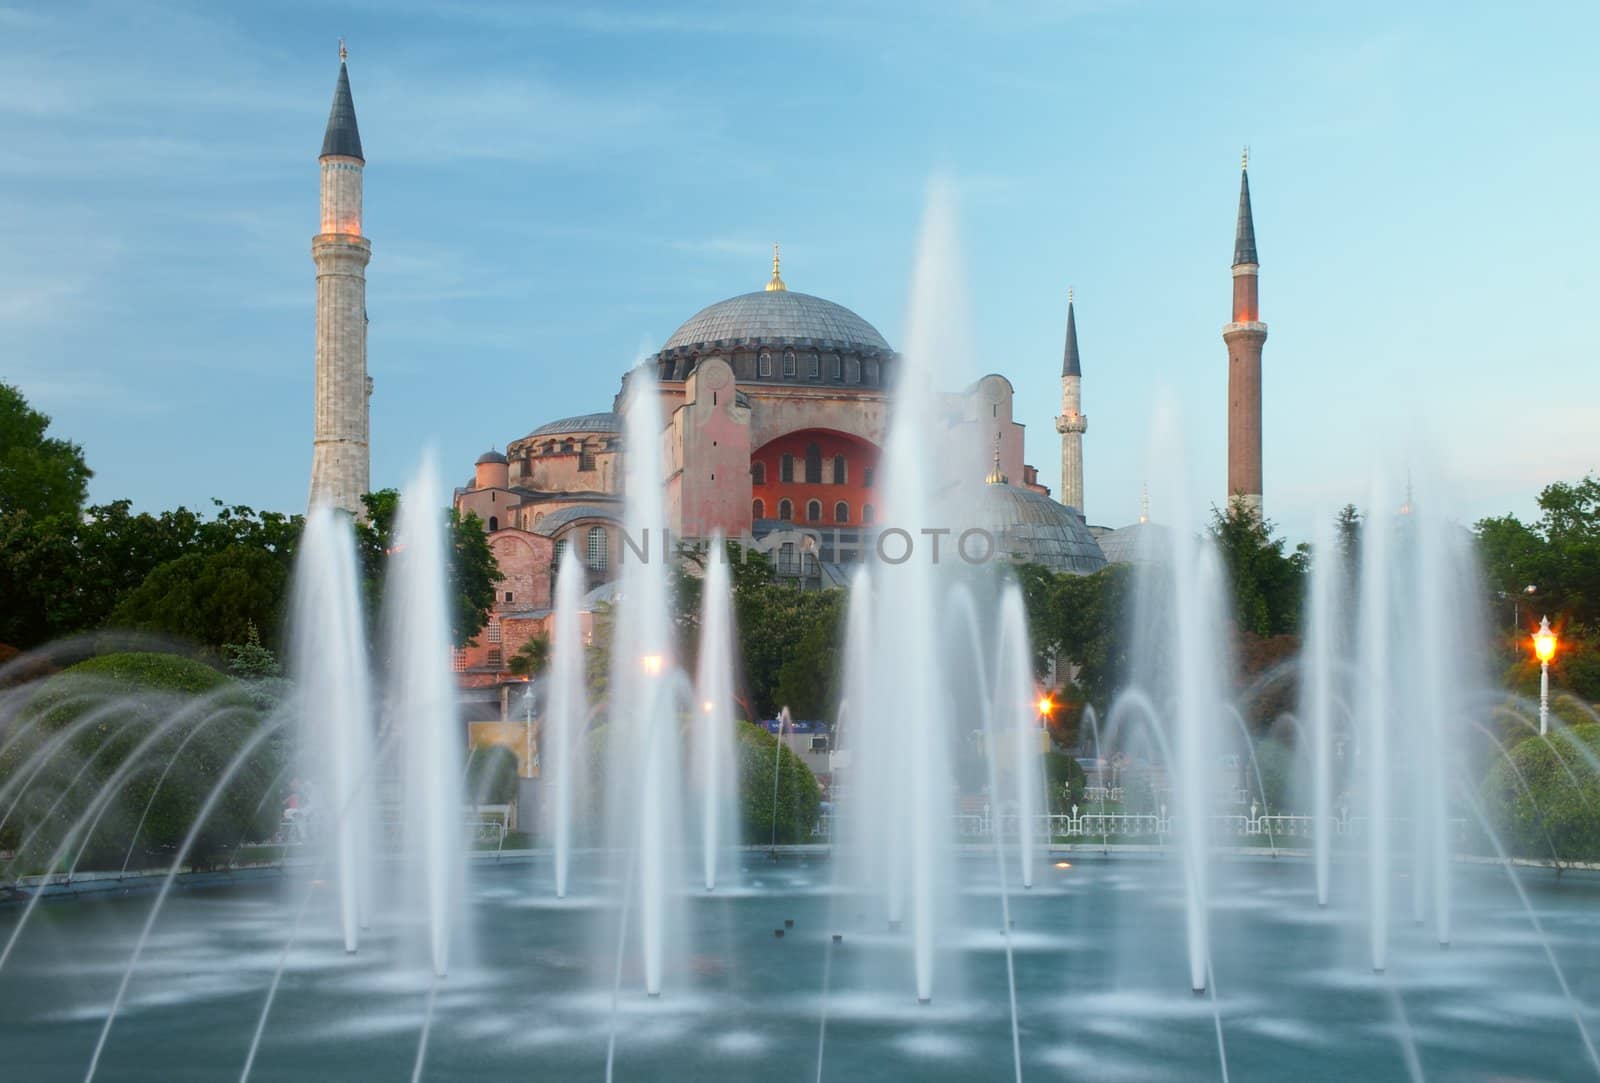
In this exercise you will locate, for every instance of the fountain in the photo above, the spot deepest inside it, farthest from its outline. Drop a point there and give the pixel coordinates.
(566, 714)
(713, 753)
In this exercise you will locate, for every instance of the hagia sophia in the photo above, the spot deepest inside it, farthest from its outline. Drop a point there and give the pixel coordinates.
(776, 406)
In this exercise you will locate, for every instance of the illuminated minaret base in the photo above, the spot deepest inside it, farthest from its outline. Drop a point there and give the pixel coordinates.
(1245, 334)
(1072, 423)
(340, 456)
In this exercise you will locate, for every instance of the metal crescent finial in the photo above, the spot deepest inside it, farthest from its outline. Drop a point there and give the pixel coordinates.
(1069, 295)
(1244, 159)
(344, 54)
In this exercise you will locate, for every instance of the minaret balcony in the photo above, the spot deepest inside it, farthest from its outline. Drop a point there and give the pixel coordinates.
(1072, 423)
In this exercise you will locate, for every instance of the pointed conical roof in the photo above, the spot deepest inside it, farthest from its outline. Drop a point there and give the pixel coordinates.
(343, 137)
(1244, 237)
(1069, 356)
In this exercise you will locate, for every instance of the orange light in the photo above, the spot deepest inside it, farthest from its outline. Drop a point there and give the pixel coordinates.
(1544, 642)
(708, 705)
(651, 664)
(1046, 705)
(1063, 864)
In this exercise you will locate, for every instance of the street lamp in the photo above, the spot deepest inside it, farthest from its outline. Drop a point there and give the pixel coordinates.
(1046, 705)
(1544, 647)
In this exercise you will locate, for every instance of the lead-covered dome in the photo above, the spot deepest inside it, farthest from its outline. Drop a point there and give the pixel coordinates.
(777, 317)
(1032, 528)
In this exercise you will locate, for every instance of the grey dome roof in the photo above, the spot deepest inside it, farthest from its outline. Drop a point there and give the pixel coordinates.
(580, 423)
(1030, 527)
(1137, 543)
(551, 524)
(491, 456)
(778, 317)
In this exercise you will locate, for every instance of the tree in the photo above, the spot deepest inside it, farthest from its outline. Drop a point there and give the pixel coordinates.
(1347, 531)
(1268, 583)
(1094, 618)
(809, 679)
(779, 799)
(531, 658)
(40, 475)
(210, 598)
(473, 571)
(1543, 797)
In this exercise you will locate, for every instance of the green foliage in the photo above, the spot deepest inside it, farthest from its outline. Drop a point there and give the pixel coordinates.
(473, 571)
(1268, 583)
(1065, 778)
(491, 776)
(93, 717)
(1560, 804)
(531, 658)
(1274, 761)
(1559, 554)
(250, 660)
(62, 574)
(790, 640)
(809, 680)
(799, 799)
(39, 475)
(1094, 618)
(209, 598)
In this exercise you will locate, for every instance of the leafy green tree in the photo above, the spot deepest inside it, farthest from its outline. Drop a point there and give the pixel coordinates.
(1268, 583)
(473, 571)
(1094, 615)
(809, 679)
(531, 658)
(39, 474)
(209, 598)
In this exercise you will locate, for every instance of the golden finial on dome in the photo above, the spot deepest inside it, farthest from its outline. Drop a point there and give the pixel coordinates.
(777, 281)
(996, 476)
(344, 54)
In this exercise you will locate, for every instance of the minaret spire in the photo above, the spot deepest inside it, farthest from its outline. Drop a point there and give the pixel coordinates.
(1072, 423)
(340, 463)
(1245, 335)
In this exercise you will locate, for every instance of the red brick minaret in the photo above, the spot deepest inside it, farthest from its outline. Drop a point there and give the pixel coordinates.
(1245, 334)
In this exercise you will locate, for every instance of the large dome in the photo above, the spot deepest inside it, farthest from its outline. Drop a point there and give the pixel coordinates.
(778, 317)
(1030, 527)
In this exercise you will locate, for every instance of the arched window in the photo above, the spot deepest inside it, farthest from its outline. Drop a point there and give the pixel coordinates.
(869, 375)
(787, 564)
(814, 365)
(597, 548)
(557, 553)
(866, 477)
(758, 473)
(852, 371)
(785, 511)
(841, 512)
(836, 366)
(585, 458)
(764, 364)
(758, 509)
(866, 514)
(788, 363)
(814, 511)
(838, 469)
(813, 465)
(786, 467)
(494, 523)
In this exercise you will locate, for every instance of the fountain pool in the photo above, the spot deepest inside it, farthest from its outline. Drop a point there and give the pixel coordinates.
(1099, 950)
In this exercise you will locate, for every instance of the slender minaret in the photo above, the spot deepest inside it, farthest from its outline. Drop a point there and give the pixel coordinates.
(1245, 334)
(1072, 423)
(339, 462)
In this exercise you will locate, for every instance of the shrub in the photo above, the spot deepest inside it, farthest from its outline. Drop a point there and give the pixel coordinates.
(1556, 808)
(101, 711)
(492, 776)
(799, 799)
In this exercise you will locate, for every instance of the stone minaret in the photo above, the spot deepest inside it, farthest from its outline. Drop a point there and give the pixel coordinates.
(339, 463)
(1245, 334)
(1072, 423)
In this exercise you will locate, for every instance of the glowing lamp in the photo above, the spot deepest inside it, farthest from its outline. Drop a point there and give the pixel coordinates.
(651, 664)
(708, 706)
(1045, 706)
(1544, 642)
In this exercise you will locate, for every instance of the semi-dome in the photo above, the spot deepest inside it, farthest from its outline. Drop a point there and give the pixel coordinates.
(778, 317)
(1032, 528)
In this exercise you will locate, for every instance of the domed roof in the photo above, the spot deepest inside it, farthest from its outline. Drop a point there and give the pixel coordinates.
(491, 456)
(551, 524)
(1030, 527)
(580, 423)
(778, 317)
(1137, 543)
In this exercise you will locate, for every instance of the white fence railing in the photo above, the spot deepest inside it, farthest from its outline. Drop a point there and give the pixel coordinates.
(1087, 824)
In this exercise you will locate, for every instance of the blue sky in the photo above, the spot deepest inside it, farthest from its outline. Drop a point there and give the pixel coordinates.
(552, 188)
